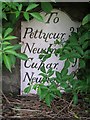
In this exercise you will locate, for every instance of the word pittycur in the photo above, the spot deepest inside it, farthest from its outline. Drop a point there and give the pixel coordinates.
(41, 34)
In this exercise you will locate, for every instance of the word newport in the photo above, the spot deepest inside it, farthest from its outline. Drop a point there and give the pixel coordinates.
(40, 34)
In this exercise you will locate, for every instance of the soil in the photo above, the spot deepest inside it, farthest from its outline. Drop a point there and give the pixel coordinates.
(31, 108)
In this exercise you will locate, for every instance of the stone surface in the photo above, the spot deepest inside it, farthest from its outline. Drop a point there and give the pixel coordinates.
(11, 81)
(38, 36)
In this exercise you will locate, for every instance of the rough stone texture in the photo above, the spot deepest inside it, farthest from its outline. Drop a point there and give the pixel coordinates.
(76, 10)
(11, 81)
